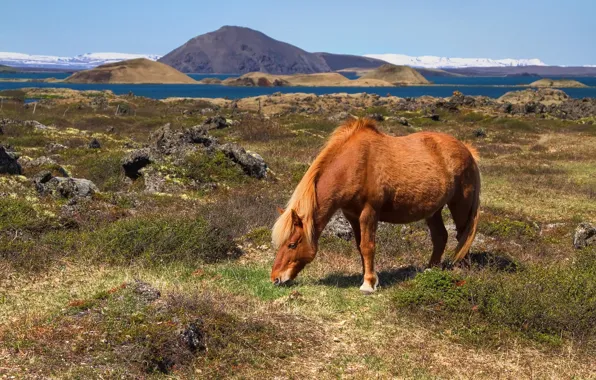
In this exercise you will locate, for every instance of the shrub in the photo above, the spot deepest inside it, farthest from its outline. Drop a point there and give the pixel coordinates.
(216, 167)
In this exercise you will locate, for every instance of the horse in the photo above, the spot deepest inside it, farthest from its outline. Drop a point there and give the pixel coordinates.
(372, 177)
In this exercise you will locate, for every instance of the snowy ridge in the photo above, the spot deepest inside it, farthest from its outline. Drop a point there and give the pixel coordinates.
(79, 62)
(433, 62)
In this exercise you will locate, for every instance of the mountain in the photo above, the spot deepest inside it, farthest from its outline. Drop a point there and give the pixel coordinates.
(79, 62)
(344, 61)
(429, 61)
(239, 50)
(7, 69)
(140, 70)
(397, 75)
(543, 71)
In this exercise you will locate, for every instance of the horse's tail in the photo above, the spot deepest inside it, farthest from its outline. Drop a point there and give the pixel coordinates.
(467, 237)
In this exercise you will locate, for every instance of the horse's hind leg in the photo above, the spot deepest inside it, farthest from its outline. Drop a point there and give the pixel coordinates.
(439, 236)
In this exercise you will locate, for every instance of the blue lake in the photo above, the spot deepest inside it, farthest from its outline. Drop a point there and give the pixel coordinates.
(467, 85)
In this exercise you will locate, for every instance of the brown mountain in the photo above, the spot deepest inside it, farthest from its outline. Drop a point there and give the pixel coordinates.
(139, 70)
(239, 50)
(345, 61)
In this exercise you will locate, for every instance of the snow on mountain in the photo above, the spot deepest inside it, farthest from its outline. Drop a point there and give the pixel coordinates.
(79, 62)
(433, 62)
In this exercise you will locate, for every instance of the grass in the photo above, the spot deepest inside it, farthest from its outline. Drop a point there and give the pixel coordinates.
(522, 307)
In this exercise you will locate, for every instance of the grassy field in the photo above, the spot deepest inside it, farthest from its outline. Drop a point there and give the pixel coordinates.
(78, 278)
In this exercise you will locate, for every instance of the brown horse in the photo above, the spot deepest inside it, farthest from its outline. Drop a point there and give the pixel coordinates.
(374, 177)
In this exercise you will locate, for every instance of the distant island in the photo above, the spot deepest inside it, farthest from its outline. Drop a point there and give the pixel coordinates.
(7, 69)
(140, 70)
(557, 83)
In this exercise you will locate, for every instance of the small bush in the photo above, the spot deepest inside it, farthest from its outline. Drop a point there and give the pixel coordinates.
(216, 167)
(102, 168)
(435, 289)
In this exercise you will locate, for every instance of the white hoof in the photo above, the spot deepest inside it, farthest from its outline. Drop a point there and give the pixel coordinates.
(368, 288)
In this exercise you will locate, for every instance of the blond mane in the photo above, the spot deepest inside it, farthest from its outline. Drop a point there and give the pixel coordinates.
(304, 198)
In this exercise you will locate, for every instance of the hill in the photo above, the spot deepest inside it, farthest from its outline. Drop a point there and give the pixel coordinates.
(397, 75)
(310, 80)
(344, 61)
(140, 70)
(543, 71)
(7, 69)
(233, 49)
(557, 83)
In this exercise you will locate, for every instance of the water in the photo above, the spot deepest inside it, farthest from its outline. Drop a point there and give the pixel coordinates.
(493, 87)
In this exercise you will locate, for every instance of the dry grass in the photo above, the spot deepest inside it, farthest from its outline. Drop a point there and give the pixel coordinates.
(64, 314)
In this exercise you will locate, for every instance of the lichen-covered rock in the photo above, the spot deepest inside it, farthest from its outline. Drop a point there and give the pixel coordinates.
(194, 337)
(585, 235)
(340, 227)
(144, 291)
(135, 161)
(69, 187)
(55, 147)
(216, 122)
(35, 124)
(252, 164)
(8, 162)
(165, 141)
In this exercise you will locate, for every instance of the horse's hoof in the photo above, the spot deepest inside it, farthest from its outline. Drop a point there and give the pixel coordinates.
(366, 289)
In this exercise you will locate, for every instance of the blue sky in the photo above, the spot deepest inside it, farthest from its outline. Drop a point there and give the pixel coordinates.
(558, 32)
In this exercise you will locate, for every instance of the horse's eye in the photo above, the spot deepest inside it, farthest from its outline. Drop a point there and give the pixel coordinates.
(292, 245)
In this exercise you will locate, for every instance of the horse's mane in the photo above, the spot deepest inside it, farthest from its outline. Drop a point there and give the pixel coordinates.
(304, 198)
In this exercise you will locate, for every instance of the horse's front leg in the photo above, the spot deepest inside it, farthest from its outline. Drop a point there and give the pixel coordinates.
(368, 228)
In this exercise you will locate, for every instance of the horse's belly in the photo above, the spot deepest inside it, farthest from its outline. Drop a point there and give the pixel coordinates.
(410, 206)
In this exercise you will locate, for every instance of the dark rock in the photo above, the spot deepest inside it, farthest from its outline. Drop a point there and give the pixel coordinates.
(252, 164)
(584, 236)
(8, 162)
(340, 227)
(507, 107)
(194, 337)
(110, 129)
(40, 179)
(94, 144)
(68, 187)
(434, 117)
(145, 291)
(135, 161)
(199, 135)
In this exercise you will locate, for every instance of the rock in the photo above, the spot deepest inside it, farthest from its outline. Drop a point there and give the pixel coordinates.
(199, 135)
(135, 161)
(94, 144)
(8, 162)
(166, 141)
(434, 117)
(145, 291)
(252, 164)
(54, 147)
(69, 187)
(585, 235)
(340, 227)
(40, 179)
(35, 124)
(194, 337)
(215, 122)
(403, 121)
(376, 117)
(339, 116)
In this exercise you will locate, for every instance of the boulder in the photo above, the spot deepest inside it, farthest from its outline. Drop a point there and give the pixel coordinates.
(35, 124)
(194, 337)
(215, 122)
(376, 117)
(340, 227)
(8, 162)
(144, 291)
(252, 164)
(68, 187)
(165, 141)
(55, 147)
(403, 121)
(44, 163)
(585, 235)
(135, 161)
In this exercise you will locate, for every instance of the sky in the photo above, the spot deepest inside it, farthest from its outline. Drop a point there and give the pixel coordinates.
(557, 32)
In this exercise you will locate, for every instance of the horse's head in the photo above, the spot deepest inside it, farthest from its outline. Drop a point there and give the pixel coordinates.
(292, 254)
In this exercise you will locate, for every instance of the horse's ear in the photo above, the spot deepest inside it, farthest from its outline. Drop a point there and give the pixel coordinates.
(280, 210)
(296, 219)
